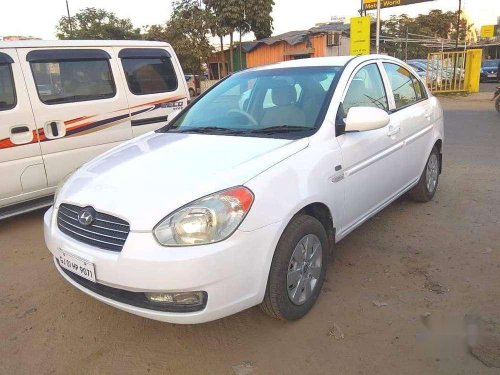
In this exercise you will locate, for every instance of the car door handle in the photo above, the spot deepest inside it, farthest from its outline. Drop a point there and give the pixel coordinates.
(19, 129)
(393, 131)
(54, 129)
(428, 115)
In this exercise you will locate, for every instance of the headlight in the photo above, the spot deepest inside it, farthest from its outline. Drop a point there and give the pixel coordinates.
(207, 220)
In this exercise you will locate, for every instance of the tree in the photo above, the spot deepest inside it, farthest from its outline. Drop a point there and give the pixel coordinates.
(259, 17)
(242, 16)
(95, 23)
(436, 25)
(187, 31)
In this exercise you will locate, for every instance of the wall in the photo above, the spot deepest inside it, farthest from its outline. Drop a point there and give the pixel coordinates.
(274, 53)
(342, 50)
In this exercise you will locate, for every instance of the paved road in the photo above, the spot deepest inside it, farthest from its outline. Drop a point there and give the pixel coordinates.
(394, 302)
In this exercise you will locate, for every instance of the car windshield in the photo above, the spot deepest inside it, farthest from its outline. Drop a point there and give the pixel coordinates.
(491, 63)
(283, 102)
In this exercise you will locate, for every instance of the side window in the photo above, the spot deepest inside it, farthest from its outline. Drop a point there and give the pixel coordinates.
(149, 74)
(403, 85)
(366, 90)
(75, 79)
(7, 90)
(419, 88)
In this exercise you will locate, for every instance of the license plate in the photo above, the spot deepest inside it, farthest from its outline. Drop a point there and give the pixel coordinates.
(492, 75)
(77, 265)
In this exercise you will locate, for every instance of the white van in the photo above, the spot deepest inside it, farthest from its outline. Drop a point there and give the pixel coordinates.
(64, 102)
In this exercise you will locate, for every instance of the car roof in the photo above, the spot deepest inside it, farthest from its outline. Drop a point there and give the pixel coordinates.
(324, 61)
(80, 43)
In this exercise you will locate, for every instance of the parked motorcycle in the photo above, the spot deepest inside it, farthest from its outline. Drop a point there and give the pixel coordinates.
(496, 98)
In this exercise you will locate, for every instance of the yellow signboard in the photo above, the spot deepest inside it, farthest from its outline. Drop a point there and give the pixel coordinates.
(488, 31)
(360, 36)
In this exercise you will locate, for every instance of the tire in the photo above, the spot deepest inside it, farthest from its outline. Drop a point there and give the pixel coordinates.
(424, 190)
(191, 93)
(497, 105)
(278, 301)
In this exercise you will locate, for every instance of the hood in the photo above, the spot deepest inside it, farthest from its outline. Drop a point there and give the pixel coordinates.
(145, 179)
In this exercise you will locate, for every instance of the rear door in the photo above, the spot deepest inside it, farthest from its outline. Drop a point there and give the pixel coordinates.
(155, 86)
(79, 104)
(371, 159)
(415, 113)
(22, 172)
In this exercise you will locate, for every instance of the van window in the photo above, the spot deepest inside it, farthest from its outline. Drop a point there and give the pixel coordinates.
(7, 91)
(69, 81)
(149, 75)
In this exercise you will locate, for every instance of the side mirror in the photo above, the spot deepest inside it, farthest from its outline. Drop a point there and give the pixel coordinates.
(366, 118)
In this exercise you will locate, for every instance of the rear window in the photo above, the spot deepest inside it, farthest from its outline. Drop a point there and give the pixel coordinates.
(149, 75)
(69, 81)
(7, 91)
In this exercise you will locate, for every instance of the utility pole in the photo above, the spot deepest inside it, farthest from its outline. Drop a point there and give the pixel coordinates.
(406, 47)
(458, 22)
(377, 41)
(69, 20)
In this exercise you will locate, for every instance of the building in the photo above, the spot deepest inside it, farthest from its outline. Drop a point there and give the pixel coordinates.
(218, 67)
(329, 39)
(14, 38)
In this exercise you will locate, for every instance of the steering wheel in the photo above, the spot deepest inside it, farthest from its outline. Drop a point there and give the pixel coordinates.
(248, 116)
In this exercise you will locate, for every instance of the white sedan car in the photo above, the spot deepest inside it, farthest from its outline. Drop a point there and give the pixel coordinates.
(240, 199)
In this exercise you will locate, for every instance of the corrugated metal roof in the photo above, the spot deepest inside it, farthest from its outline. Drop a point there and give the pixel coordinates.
(300, 36)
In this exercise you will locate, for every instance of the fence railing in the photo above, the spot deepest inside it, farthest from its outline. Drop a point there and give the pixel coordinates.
(454, 72)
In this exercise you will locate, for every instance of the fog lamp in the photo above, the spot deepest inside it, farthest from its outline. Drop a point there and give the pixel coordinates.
(180, 299)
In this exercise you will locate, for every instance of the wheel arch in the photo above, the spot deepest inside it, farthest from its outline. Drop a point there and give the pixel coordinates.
(439, 146)
(322, 213)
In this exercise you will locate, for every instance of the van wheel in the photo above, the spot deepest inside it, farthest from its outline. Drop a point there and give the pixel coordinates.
(191, 93)
(298, 269)
(427, 185)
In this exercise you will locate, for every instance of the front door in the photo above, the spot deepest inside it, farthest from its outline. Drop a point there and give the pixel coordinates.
(372, 159)
(79, 104)
(22, 173)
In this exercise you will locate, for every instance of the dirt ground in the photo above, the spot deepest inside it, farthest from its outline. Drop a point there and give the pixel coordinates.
(405, 291)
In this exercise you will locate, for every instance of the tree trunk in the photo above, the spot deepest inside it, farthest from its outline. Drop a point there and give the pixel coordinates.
(241, 54)
(223, 56)
(231, 52)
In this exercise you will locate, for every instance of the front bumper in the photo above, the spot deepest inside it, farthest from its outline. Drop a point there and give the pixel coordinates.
(233, 273)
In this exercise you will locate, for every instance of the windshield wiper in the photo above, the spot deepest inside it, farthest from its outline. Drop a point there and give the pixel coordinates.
(210, 129)
(280, 129)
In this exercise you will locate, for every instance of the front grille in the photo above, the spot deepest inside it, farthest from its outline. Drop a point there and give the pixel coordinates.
(106, 231)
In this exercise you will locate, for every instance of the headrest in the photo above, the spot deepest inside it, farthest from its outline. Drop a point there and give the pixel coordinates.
(284, 94)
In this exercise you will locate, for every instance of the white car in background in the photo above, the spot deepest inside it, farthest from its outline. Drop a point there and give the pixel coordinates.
(240, 200)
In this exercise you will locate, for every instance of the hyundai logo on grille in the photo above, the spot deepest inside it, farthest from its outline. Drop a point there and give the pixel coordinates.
(86, 216)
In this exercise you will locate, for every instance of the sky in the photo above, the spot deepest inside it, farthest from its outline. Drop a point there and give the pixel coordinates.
(39, 17)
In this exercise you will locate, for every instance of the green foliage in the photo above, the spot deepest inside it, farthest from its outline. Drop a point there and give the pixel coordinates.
(436, 25)
(242, 16)
(259, 17)
(187, 31)
(94, 23)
